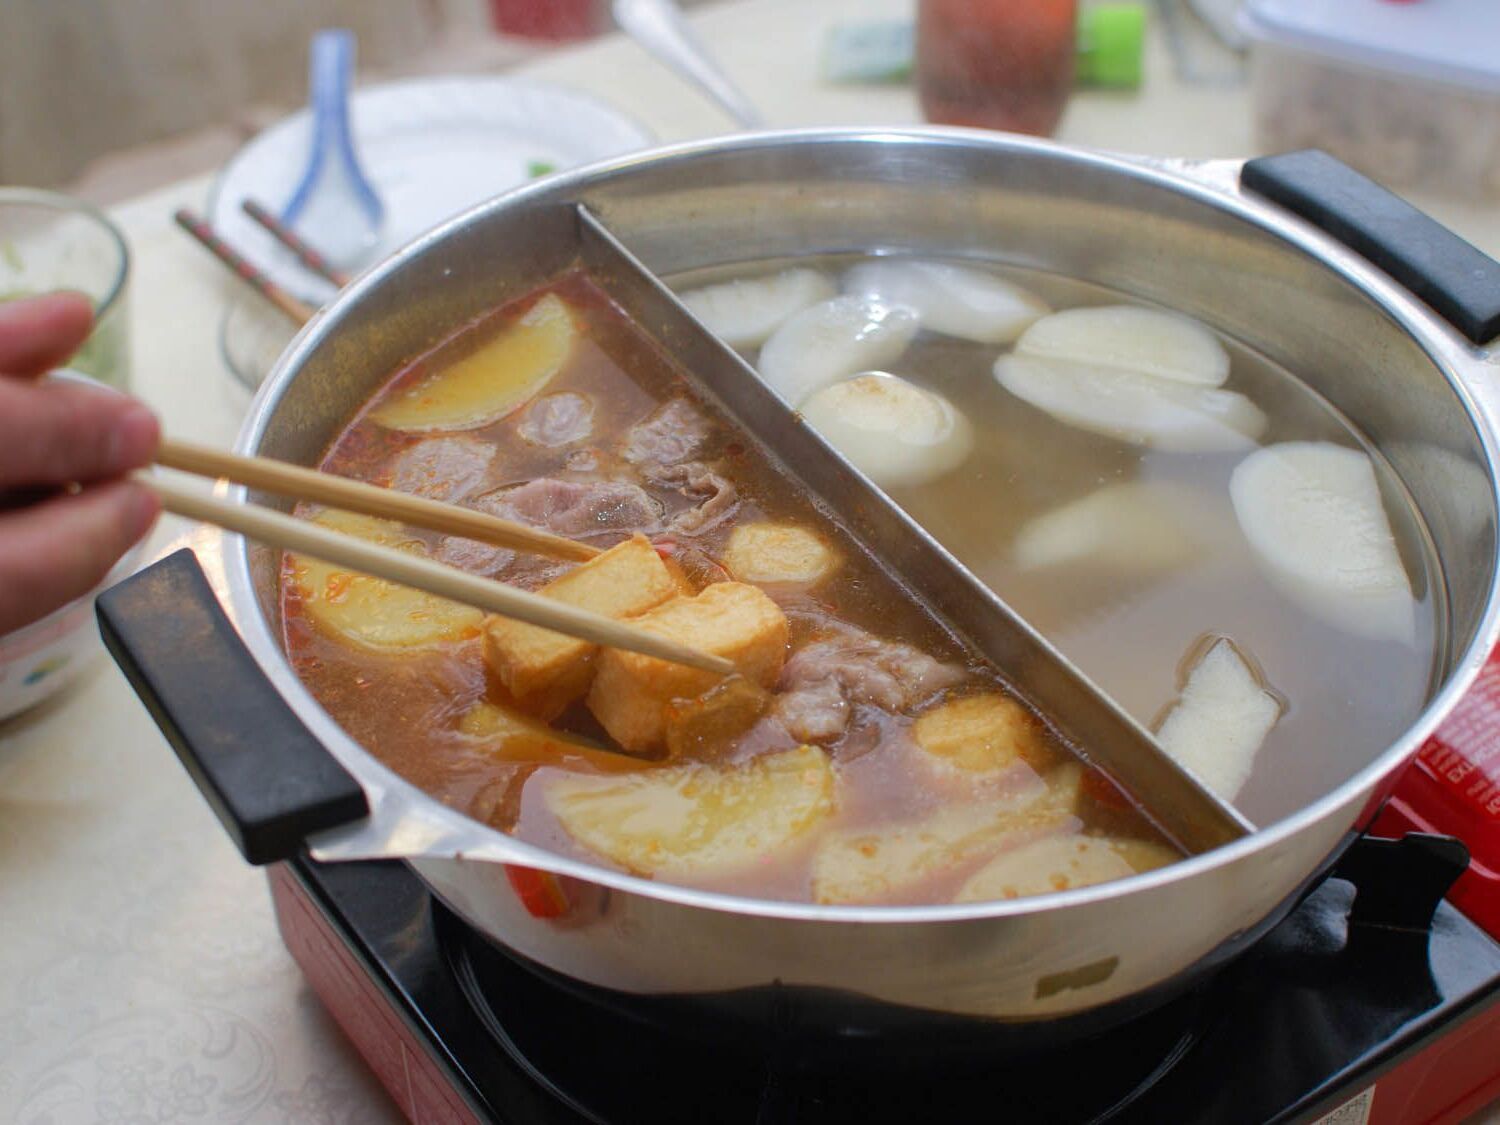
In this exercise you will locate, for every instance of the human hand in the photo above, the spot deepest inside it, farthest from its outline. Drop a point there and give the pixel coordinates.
(66, 516)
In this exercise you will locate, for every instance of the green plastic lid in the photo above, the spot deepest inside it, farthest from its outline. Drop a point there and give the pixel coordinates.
(1111, 40)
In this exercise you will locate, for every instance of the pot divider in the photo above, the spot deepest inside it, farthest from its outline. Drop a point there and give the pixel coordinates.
(273, 785)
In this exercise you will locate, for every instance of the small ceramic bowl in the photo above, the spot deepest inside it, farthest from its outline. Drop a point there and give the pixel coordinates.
(46, 656)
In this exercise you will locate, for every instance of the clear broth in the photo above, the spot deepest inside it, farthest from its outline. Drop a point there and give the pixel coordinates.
(1346, 698)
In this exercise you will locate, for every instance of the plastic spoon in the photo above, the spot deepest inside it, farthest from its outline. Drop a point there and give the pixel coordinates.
(334, 207)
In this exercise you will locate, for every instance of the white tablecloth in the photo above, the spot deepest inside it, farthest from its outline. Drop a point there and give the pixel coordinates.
(141, 976)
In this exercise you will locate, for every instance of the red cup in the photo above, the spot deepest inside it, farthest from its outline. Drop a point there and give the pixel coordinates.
(996, 64)
(554, 20)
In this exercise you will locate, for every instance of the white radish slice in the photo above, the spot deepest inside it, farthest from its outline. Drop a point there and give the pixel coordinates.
(953, 300)
(694, 820)
(894, 432)
(882, 862)
(1141, 409)
(1137, 527)
(1062, 863)
(1220, 720)
(1314, 518)
(1142, 340)
(371, 612)
(744, 313)
(831, 341)
(488, 383)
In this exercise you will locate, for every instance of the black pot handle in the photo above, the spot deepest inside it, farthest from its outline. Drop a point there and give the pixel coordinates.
(1459, 282)
(270, 781)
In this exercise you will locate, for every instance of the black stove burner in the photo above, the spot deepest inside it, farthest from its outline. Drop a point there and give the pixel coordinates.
(610, 1064)
(1308, 1018)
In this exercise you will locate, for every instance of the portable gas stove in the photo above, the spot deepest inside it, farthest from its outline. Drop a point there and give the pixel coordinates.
(1385, 1013)
(1374, 1003)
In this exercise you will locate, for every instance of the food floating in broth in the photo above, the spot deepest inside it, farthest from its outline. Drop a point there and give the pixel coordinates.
(953, 300)
(632, 694)
(833, 340)
(542, 671)
(560, 419)
(744, 312)
(1135, 374)
(778, 554)
(501, 374)
(1115, 547)
(1134, 528)
(1148, 410)
(1313, 515)
(863, 754)
(695, 820)
(893, 431)
(1220, 720)
(1130, 338)
(984, 733)
(446, 469)
(372, 612)
(1061, 863)
(890, 862)
(508, 735)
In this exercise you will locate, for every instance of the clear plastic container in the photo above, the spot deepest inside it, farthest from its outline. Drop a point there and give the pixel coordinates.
(1407, 92)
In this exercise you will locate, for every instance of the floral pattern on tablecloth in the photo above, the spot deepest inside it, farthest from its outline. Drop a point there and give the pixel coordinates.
(142, 978)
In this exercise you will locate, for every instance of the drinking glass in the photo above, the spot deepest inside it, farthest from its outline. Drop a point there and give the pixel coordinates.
(996, 64)
(50, 241)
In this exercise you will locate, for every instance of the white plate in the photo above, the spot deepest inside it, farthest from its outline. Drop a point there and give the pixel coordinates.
(430, 147)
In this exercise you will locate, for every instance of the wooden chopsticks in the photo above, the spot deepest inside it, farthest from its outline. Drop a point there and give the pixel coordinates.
(289, 238)
(289, 533)
(298, 311)
(356, 496)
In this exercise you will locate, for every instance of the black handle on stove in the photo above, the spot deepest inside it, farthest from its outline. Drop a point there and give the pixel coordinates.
(1459, 282)
(270, 781)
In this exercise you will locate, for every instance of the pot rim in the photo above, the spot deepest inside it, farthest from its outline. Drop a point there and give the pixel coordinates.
(1213, 183)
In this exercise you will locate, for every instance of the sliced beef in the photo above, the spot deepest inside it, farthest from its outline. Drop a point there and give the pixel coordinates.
(446, 469)
(695, 479)
(697, 565)
(815, 711)
(575, 509)
(825, 679)
(674, 433)
(558, 419)
(578, 508)
(582, 461)
(472, 555)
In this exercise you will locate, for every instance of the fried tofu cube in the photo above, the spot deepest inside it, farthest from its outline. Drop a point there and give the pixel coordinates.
(776, 553)
(729, 619)
(984, 734)
(542, 672)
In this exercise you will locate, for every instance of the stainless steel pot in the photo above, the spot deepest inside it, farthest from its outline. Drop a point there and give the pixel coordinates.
(1187, 235)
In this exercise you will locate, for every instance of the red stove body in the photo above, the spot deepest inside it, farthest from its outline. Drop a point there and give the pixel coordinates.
(1454, 788)
(1373, 1021)
(1332, 1017)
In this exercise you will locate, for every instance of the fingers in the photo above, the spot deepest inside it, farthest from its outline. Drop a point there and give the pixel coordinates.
(55, 433)
(39, 333)
(60, 549)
